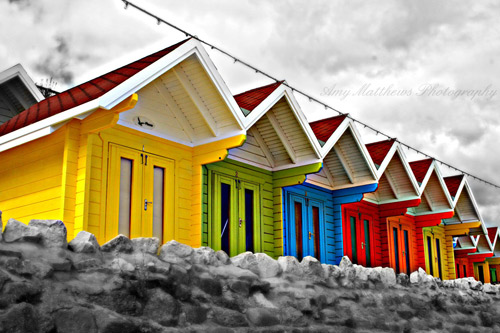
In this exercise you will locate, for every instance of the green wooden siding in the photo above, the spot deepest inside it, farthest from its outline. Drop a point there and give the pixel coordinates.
(271, 198)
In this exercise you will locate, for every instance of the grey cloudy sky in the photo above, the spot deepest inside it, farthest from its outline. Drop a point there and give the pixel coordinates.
(351, 54)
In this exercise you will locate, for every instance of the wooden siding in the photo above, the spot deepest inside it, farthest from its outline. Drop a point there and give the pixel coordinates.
(379, 230)
(269, 138)
(245, 172)
(331, 228)
(465, 209)
(447, 263)
(348, 150)
(168, 103)
(271, 219)
(435, 193)
(31, 177)
(403, 187)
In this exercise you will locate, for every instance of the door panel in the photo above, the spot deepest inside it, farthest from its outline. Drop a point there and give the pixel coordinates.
(235, 212)
(140, 194)
(358, 238)
(434, 254)
(400, 245)
(305, 230)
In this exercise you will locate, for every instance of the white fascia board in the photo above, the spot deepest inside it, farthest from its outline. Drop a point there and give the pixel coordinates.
(332, 140)
(364, 150)
(473, 199)
(434, 212)
(409, 171)
(161, 66)
(299, 114)
(443, 184)
(459, 191)
(29, 137)
(219, 82)
(19, 71)
(10, 139)
(278, 168)
(390, 200)
(387, 160)
(182, 142)
(427, 177)
(270, 101)
(263, 107)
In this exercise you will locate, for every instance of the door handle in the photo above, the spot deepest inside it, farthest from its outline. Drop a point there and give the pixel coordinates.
(241, 221)
(310, 234)
(362, 245)
(146, 202)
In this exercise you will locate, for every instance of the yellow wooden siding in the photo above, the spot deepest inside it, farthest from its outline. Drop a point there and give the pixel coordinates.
(447, 256)
(31, 179)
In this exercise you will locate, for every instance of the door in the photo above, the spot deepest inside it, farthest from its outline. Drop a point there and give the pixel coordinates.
(140, 194)
(306, 227)
(480, 272)
(358, 240)
(493, 275)
(433, 253)
(234, 214)
(400, 245)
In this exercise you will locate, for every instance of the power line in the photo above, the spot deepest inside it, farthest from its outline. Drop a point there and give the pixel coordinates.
(159, 20)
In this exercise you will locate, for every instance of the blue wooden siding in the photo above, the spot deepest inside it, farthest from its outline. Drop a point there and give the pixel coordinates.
(333, 215)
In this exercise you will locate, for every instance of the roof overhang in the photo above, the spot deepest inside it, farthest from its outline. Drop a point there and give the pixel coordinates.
(125, 90)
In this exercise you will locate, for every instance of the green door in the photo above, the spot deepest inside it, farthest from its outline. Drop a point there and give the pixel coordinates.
(493, 275)
(234, 214)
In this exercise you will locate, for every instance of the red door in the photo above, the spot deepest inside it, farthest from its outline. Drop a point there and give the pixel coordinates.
(400, 245)
(358, 237)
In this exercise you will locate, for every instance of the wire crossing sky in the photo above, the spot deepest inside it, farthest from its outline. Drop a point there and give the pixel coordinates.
(159, 20)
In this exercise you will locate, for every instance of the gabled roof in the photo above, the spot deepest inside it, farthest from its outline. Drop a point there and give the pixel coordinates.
(108, 90)
(379, 150)
(493, 234)
(483, 245)
(324, 128)
(17, 92)
(82, 93)
(464, 204)
(278, 134)
(250, 99)
(435, 195)
(420, 168)
(346, 162)
(465, 243)
(453, 184)
(396, 180)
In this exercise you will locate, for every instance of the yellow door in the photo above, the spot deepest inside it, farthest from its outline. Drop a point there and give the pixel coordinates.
(140, 194)
(434, 247)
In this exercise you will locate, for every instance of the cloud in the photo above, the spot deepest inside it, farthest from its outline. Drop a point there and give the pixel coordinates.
(55, 65)
(310, 44)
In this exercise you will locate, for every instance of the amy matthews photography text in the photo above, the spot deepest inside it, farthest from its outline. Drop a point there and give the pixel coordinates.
(425, 90)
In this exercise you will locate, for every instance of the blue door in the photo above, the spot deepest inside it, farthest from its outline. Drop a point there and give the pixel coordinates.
(306, 227)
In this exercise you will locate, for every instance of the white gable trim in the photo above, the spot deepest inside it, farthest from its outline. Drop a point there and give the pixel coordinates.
(396, 148)
(341, 129)
(127, 88)
(19, 71)
(262, 109)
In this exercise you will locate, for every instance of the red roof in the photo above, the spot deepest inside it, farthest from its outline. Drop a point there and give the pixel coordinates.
(378, 150)
(492, 232)
(250, 99)
(452, 183)
(420, 168)
(82, 93)
(324, 128)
